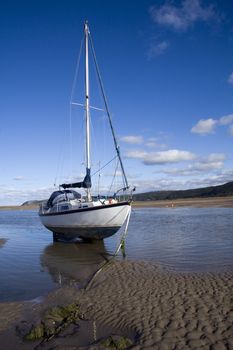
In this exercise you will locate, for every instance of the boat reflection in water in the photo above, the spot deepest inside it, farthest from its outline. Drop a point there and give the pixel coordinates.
(73, 263)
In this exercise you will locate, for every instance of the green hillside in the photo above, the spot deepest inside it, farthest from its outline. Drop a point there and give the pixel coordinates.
(213, 191)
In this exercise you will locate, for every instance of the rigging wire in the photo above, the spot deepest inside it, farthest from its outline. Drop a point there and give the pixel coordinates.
(104, 116)
(101, 89)
(66, 132)
(98, 185)
(71, 105)
(104, 165)
(114, 176)
(108, 113)
(76, 71)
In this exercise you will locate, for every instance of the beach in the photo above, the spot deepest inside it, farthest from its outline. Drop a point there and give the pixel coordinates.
(155, 308)
(144, 302)
(208, 202)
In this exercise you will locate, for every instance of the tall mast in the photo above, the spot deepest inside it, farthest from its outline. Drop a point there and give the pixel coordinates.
(88, 162)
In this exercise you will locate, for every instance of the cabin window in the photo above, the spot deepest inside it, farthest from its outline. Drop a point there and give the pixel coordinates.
(64, 207)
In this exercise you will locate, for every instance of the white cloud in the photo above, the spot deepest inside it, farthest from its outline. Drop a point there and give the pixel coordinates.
(215, 161)
(18, 178)
(71, 179)
(194, 169)
(136, 154)
(206, 167)
(163, 184)
(215, 157)
(131, 139)
(183, 17)
(152, 142)
(230, 78)
(157, 49)
(163, 157)
(204, 126)
(207, 126)
(226, 119)
(15, 196)
(231, 130)
(218, 179)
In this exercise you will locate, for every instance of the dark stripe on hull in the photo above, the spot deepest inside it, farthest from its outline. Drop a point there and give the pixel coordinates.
(86, 209)
(83, 232)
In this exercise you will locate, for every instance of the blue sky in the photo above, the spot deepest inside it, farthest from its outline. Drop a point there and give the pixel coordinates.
(167, 68)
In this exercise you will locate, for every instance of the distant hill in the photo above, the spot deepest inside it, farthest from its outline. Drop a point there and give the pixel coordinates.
(212, 191)
(34, 202)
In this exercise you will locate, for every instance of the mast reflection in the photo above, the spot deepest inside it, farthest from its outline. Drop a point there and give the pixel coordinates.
(73, 263)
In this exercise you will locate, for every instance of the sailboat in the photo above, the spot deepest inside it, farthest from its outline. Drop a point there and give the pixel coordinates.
(67, 213)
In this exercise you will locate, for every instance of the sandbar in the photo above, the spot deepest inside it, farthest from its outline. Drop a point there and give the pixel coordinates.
(157, 308)
(209, 202)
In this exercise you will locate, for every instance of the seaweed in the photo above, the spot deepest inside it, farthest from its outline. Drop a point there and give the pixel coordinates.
(116, 343)
(54, 320)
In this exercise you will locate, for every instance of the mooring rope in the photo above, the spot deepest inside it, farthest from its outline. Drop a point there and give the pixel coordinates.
(106, 264)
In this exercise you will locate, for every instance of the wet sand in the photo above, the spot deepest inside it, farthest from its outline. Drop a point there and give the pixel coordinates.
(156, 308)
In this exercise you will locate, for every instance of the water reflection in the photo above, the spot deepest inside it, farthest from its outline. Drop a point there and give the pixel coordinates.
(181, 239)
(3, 241)
(73, 263)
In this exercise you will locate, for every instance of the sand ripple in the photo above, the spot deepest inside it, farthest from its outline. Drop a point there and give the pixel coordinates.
(166, 310)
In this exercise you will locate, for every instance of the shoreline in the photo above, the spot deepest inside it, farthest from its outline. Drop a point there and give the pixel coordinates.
(208, 202)
(19, 207)
(154, 307)
(157, 308)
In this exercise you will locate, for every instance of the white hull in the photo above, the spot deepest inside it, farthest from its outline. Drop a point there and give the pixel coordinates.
(91, 223)
(66, 213)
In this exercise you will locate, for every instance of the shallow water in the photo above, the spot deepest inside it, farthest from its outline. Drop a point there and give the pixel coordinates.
(181, 239)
